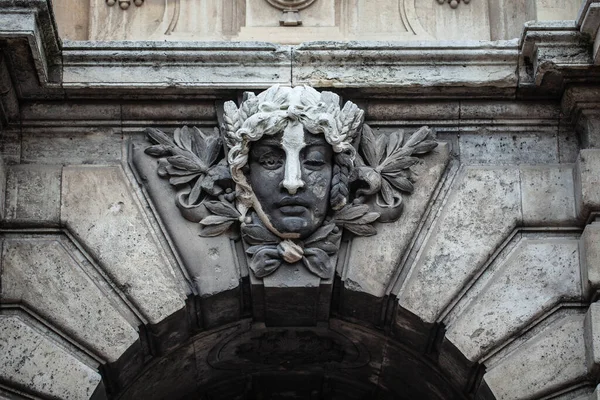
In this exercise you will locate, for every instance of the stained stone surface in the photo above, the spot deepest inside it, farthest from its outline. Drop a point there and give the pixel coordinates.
(548, 195)
(28, 358)
(486, 200)
(42, 275)
(590, 256)
(508, 148)
(96, 145)
(547, 362)
(587, 182)
(33, 195)
(592, 337)
(99, 208)
(370, 268)
(538, 274)
(211, 262)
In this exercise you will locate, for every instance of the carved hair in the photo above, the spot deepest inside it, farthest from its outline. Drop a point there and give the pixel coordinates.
(271, 111)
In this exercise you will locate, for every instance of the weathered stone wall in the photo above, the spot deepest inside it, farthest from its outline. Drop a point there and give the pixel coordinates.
(331, 20)
(486, 287)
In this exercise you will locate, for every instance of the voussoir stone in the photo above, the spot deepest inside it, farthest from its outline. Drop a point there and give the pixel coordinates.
(550, 360)
(483, 207)
(99, 208)
(538, 274)
(587, 182)
(31, 360)
(370, 268)
(41, 274)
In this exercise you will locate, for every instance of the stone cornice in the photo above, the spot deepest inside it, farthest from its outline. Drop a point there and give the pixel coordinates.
(548, 56)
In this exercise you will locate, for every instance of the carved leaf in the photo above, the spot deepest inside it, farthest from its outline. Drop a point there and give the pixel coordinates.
(368, 145)
(257, 234)
(159, 150)
(222, 208)
(206, 146)
(361, 230)
(172, 171)
(399, 182)
(195, 192)
(351, 212)
(180, 180)
(366, 219)
(186, 163)
(215, 220)
(393, 165)
(317, 262)
(389, 196)
(417, 137)
(425, 147)
(327, 246)
(320, 234)
(265, 261)
(183, 138)
(394, 142)
(253, 249)
(214, 230)
(159, 137)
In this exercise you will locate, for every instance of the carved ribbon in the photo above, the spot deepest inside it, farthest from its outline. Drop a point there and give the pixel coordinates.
(268, 253)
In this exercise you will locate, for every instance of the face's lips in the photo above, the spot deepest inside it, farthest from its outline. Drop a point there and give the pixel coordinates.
(292, 201)
(292, 206)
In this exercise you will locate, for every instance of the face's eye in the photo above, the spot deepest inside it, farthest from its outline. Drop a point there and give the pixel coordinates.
(271, 160)
(315, 159)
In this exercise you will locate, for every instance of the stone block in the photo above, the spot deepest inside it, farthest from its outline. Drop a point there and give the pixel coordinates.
(211, 262)
(482, 208)
(568, 144)
(42, 275)
(370, 268)
(344, 65)
(592, 338)
(100, 209)
(173, 64)
(538, 275)
(548, 10)
(33, 361)
(81, 146)
(590, 256)
(548, 195)
(527, 147)
(553, 359)
(587, 182)
(33, 195)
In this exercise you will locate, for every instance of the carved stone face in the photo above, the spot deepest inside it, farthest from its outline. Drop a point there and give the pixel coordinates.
(290, 174)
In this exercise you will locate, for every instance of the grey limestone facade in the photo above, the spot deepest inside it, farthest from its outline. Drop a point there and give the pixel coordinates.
(484, 287)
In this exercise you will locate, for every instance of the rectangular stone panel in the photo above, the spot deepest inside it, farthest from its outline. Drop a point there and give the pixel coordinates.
(33, 195)
(548, 195)
(522, 147)
(72, 146)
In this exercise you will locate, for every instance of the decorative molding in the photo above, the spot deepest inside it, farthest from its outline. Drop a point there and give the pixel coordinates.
(453, 3)
(290, 15)
(124, 4)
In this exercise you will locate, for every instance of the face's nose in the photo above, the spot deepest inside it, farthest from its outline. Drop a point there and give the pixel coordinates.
(293, 143)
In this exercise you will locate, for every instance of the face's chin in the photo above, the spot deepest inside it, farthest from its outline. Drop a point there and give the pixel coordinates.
(294, 219)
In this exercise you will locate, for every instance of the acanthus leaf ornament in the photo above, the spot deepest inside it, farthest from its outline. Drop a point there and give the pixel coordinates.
(291, 170)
